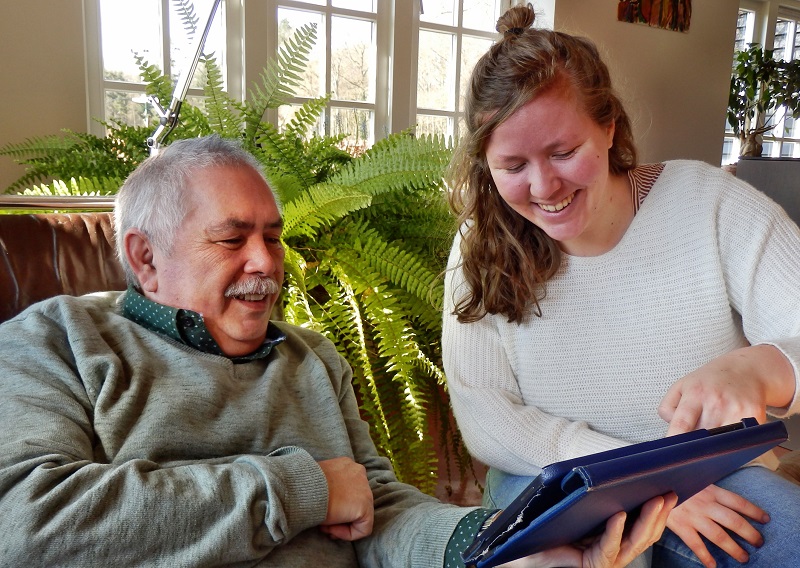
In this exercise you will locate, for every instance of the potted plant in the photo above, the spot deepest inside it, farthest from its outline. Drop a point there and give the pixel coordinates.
(760, 86)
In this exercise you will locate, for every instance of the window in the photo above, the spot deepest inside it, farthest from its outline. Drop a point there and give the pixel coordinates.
(453, 34)
(344, 63)
(388, 65)
(783, 36)
(156, 32)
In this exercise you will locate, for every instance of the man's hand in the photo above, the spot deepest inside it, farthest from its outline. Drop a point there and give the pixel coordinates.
(613, 549)
(733, 386)
(708, 514)
(350, 509)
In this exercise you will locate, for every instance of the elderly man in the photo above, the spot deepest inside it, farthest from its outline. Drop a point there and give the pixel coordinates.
(175, 425)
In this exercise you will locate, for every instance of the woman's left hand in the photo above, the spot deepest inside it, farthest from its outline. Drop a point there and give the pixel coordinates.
(736, 385)
(614, 548)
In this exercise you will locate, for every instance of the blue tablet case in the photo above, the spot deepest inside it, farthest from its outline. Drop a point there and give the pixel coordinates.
(572, 499)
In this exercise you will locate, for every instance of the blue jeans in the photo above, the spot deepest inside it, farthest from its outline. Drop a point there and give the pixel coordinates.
(777, 496)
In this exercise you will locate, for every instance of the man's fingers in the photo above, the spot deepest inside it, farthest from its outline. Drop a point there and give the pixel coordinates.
(350, 508)
(348, 531)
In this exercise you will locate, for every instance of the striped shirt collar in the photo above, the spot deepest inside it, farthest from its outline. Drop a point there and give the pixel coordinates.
(188, 327)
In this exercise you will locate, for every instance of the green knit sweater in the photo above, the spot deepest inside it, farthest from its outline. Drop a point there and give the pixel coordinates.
(120, 446)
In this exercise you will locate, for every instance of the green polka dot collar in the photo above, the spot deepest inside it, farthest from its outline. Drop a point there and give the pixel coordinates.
(188, 327)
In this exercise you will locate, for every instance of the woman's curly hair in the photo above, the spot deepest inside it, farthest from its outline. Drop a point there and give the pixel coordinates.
(506, 260)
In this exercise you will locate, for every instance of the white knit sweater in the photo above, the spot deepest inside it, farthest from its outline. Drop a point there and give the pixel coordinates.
(707, 265)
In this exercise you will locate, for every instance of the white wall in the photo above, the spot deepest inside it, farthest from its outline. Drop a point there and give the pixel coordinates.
(42, 73)
(675, 85)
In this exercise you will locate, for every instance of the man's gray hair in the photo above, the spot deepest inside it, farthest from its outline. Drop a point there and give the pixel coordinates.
(152, 198)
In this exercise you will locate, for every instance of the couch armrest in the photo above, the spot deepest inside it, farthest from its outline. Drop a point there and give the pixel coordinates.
(45, 255)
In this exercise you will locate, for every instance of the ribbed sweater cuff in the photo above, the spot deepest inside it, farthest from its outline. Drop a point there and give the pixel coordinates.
(440, 522)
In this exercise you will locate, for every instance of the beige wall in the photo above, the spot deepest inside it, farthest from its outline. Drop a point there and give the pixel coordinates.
(675, 85)
(42, 73)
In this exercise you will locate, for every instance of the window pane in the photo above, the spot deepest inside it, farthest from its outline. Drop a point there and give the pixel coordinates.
(314, 77)
(435, 72)
(363, 5)
(727, 151)
(427, 124)
(788, 150)
(472, 48)
(781, 31)
(744, 30)
(128, 28)
(791, 127)
(481, 14)
(185, 29)
(439, 12)
(129, 108)
(796, 50)
(353, 54)
(196, 101)
(356, 124)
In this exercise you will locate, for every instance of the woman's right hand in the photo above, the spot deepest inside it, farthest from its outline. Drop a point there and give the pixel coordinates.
(708, 514)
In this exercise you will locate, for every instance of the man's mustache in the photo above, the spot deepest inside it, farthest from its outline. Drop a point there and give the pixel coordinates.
(264, 286)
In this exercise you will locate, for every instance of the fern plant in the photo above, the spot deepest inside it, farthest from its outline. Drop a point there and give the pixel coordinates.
(373, 287)
(365, 234)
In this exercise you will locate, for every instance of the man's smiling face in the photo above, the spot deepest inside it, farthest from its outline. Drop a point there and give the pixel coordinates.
(226, 259)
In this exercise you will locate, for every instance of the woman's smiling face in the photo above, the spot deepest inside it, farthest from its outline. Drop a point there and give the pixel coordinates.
(549, 162)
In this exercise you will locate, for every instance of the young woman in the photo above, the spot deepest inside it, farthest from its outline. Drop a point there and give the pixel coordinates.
(593, 302)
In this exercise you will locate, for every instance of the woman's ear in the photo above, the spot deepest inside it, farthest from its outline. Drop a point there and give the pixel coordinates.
(610, 130)
(139, 252)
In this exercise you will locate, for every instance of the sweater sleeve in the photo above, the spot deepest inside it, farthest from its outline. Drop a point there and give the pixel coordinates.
(411, 529)
(498, 427)
(759, 251)
(62, 503)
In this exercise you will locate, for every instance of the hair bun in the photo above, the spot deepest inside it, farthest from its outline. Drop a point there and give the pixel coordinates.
(516, 20)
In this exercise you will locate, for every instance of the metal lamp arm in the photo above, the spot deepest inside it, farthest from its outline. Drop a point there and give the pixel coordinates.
(169, 116)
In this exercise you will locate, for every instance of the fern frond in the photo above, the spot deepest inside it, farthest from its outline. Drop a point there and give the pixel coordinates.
(158, 85)
(320, 205)
(281, 156)
(280, 77)
(398, 355)
(399, 163)
(295, 268)
(222, 111)
(403, 268)
(80, 186)
(326, 156)
(73, 155)
(305, 118)
(185, 10)
(38, 146)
